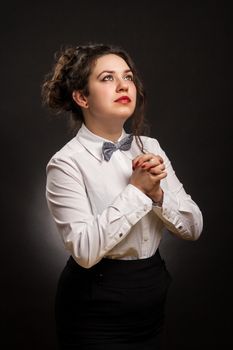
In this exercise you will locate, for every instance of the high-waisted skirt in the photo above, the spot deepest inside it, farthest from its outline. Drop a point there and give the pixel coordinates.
(116, 304)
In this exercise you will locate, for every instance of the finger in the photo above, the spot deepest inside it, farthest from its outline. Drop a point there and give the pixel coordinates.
(147, 161)
(144, 158)
(159, 177)
(157, 169)
(152, 162)
(136, 160)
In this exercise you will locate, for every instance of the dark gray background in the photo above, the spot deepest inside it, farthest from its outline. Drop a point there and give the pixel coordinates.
(182, 49)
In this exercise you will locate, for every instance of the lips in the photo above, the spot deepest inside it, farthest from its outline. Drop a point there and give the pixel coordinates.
(123, 99)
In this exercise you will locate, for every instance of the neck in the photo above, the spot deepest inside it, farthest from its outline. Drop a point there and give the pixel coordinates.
(109, 132)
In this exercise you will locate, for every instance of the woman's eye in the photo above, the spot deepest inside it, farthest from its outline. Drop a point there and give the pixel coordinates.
(128, 77)
(110, 77)
(107, 77)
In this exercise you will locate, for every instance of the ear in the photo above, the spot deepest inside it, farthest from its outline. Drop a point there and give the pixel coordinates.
(80, 98)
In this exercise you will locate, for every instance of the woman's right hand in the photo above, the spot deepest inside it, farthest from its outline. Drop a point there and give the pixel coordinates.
(148, 171)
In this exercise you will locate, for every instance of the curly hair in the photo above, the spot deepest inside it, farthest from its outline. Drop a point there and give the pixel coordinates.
(71, 71)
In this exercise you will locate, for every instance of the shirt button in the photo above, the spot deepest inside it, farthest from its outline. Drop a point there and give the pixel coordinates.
(145, 239)
(180, 227)
(120, 234)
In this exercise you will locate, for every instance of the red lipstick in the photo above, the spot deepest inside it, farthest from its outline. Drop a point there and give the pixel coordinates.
(123, 99)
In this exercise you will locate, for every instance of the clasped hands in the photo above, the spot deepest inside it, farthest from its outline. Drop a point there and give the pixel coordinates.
(148, 171)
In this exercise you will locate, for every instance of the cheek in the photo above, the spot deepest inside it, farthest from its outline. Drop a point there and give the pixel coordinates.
(134, 94)
(99, 100)
(133, 91)
(100, 93)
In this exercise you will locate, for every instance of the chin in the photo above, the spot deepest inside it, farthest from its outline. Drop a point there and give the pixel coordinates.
(124, 114)
(122, 117)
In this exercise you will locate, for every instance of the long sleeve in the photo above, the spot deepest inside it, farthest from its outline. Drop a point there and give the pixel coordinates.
(87, 236)
(179, 213)
(97, 211)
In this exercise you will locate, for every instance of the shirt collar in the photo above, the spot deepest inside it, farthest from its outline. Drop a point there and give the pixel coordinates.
(92, 142)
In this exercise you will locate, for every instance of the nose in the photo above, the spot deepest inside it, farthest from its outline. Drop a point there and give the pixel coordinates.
(122, 85)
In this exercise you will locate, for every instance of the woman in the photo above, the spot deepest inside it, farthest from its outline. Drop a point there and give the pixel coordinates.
(111, 195)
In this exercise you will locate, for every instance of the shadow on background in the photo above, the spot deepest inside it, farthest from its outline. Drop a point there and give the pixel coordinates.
(182, 49)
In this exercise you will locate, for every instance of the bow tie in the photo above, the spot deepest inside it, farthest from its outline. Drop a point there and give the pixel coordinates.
(109, 147)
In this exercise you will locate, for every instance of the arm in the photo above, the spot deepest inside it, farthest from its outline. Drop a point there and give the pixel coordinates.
(179, 213)
(89, 237)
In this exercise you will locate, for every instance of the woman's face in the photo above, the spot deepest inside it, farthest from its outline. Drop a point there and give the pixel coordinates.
(112, 92)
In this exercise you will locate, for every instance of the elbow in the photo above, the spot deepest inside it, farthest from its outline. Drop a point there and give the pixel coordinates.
(84, 256)
(85, 263)
(188, 232)
(193, 233)
(88, 260)
(83, 260)
(193, 229)
(197, 228)
(192, 236)
(197, 232)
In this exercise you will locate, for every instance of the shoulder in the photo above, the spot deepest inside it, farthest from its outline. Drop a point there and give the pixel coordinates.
(67, 154)
(151, 144)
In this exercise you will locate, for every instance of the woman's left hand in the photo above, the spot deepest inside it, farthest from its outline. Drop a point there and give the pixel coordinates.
(150, 162)
(154, 164)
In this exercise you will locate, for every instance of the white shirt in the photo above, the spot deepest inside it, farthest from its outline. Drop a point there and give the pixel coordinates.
(99, 214)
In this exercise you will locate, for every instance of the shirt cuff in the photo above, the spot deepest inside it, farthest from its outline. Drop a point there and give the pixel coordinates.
(168, 209)
(142, 196)
(133, 204)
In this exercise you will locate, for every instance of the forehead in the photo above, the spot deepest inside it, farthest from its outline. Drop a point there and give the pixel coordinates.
(109, 62)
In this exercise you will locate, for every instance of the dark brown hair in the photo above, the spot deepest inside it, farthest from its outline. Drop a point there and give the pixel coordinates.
(71, 71)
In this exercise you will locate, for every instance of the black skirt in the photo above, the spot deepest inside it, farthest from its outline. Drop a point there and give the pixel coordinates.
(116, 304)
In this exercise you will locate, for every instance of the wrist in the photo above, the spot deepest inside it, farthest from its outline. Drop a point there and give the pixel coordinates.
(135, 184)
(157, 197)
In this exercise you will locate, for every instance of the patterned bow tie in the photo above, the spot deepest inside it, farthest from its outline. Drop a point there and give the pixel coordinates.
(109, 147)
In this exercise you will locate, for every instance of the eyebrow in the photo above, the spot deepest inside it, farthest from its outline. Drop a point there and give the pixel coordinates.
(112, 71)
